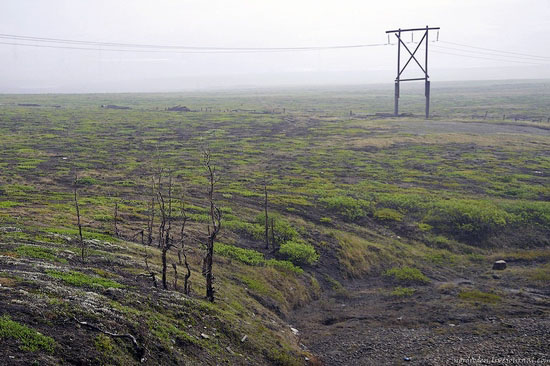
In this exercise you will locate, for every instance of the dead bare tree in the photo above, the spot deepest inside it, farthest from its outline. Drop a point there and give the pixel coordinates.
(181, 249)
(151, 219)
(266, 218)
(213, 229)
(81, 241)
(165, 241)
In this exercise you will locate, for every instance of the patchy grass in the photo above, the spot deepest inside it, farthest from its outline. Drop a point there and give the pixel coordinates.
(28, 339)
(407, 275)
(402, 291)
(80, 279)
(479, 296)
(33, 251)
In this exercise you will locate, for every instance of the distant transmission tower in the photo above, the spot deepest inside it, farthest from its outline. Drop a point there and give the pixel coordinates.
(412, 57)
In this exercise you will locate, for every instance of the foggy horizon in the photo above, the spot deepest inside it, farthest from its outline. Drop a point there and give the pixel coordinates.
(478, 41)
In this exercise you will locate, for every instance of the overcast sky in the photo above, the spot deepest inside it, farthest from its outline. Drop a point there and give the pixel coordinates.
(521, 26)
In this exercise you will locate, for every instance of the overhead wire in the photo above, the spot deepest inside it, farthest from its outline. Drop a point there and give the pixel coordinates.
(73, 44)
(130, 46)
(495, 50)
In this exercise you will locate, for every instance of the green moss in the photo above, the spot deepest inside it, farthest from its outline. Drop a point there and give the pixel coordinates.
(27, 338)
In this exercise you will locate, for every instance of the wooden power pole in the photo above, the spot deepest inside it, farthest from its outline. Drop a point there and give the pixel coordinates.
(400, 69)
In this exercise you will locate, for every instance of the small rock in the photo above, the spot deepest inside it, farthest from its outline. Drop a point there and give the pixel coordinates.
(205, 336)
(10, 229)
(496, 277)
(452, 325)
(406, 358)
(244, 338)
(294, 331)
(228, 349)
(499, 265)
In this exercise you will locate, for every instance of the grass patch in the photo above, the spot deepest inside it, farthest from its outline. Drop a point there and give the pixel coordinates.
(402, 291)
(479, 296)
(83, 280)
(254, 258)
(28, 338)
(31, 251)
(388, 214)
(407, 275)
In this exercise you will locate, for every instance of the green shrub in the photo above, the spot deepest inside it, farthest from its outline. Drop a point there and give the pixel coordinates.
(299, 253)
(407, 275)
(403, 291)
(83, 280)
(284, 231)
(402, 201)
(388, 214)
(286, 266)
(467, 218)
(348, 207)
(325, 220)
(28, 338)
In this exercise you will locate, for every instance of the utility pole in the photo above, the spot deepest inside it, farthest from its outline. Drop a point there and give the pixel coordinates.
(400, 70)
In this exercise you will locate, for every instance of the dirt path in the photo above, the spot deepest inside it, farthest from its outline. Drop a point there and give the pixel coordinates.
(478, 128)
(367, 326)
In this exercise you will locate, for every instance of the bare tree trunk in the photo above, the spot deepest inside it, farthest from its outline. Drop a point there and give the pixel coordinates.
(266, 219)
(273, 244)
(116, 219)
(163, 257)
(81, 242)
(186, 282)
(151, 221)
(175, 266)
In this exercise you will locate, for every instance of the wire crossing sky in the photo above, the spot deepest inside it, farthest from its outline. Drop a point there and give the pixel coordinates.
(169, 45)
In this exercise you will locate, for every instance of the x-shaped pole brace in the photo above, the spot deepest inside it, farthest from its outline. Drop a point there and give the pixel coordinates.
(412, 54)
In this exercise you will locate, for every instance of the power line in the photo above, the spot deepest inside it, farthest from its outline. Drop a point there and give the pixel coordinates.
(173, 47)
(491, 53)
(500, 51)
(490, 58)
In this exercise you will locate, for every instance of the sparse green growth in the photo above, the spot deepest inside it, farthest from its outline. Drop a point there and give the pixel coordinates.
(407, 275)
(388, 214)
(83, 280)
(479, 296)
(349, 208)
(33, 251)
(27, 338)
(247, 256)
(403, 291)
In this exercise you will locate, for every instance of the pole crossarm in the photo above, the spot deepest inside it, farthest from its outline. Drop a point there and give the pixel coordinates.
(412, 29)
